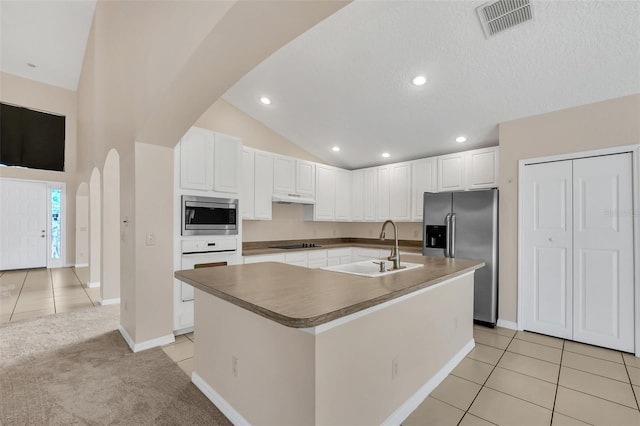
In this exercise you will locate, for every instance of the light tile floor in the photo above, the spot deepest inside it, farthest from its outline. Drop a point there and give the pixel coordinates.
(31, 293)
(519, 378)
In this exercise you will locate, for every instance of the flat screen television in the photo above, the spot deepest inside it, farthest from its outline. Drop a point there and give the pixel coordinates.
(30, 138)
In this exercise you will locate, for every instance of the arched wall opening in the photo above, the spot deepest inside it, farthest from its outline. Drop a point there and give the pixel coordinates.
(95, 228)
(110, 268)
(82, 226)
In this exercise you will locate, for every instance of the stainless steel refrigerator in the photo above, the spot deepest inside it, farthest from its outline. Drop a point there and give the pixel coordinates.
(465, 225)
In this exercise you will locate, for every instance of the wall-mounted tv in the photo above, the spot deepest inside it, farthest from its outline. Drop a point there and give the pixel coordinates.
(30, 138)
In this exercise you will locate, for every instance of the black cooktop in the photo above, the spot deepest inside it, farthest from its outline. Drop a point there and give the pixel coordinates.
(296, 246)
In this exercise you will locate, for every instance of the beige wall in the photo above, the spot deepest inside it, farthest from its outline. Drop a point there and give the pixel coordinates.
(43, 97)
(150, 70)
(610, 123)
(82, 225)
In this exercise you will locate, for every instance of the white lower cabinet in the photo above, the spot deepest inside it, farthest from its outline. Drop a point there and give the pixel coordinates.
(316, 259)
(339, 256)
(578, 269)
(275, 257)
(297, 258)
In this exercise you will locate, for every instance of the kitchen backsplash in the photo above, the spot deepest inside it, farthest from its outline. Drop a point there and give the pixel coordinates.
(287, 224)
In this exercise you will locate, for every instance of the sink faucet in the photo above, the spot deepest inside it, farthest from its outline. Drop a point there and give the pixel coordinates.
(395, 252)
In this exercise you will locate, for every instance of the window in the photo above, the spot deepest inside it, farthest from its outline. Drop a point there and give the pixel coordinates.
(56, 231)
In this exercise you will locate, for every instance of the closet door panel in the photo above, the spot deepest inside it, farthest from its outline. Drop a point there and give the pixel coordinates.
(547, 250)
(603, 252)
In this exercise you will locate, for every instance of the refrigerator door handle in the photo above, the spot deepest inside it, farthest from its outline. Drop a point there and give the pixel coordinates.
(452, 247)
(447, 222)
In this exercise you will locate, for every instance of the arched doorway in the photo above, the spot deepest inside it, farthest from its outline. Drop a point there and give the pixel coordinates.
(95, 202)
(110, 269)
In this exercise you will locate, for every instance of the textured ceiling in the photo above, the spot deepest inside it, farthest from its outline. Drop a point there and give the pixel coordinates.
(49, 34)
(347, 81)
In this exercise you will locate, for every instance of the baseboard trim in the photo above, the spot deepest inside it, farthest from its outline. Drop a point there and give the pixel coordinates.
(222, 405)
(93, 284)
(507, 324)
(137, 347)
(81, 265)
(400, 415)
(105, 302)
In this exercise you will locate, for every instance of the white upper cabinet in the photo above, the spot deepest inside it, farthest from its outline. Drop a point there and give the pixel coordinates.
(263, 185)
(305, 178)
(400, 192)
(196, 159)
(370, 186)
(247, 191)
(357, 195)
(423, 179)
(210, 161)
(293, 177)
(284, 174)
(226, 160)
(462, 171)
(482, 168)
(384, 186)
(451, 172)
(325, 206)
(343, 195)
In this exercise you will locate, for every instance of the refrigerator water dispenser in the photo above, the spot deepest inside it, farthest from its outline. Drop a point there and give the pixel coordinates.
(436, 236)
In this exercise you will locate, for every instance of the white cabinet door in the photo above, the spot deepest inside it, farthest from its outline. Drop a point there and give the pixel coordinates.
(305, 178)
(196, 159)
(326, 193)
(316, 259)
(482, 168)
(400, 192)
(343, 195)
(451, 174)
(298, 258)
(263, 184)
(384, 187)
(357, 195)
(277, 257)
(359, 254)
(284, 174)
(547, 256)
(603, 307)
(370, 194)
(227, 163)
(247, 192)
(423, 179)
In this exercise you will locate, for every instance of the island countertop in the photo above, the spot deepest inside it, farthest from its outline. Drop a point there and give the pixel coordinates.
(300, 297)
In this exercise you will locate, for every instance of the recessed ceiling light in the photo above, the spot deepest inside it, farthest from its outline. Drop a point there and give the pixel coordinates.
(30, 65)
(386, 154)
(461, 139)
(419, 80)
(336, 149)
(265, 100)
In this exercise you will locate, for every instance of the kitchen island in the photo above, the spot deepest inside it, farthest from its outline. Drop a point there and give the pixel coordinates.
(280, 344)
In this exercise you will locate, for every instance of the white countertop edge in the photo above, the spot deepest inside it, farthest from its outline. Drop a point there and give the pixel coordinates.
(348, 318)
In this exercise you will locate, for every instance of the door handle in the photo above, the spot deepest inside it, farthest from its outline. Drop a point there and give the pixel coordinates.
(447, 222)
(452, 251)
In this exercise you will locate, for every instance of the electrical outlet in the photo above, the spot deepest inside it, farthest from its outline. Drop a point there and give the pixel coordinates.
(151, 239)
(234, 366)
(394, 368)
(415, 234)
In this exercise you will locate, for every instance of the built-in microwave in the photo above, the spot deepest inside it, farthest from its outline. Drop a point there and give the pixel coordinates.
(209, 216)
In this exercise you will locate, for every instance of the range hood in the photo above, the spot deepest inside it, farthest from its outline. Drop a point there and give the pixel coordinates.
(291, 199)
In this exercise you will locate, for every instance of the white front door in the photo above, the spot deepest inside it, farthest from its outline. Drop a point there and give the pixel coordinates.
(23, 221)
(603, 252)
(547, 249)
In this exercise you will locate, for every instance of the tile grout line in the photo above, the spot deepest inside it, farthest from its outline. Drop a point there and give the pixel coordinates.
(486, 380)
(599, 375)
(555, 397)
(633, 391)
(13, 311)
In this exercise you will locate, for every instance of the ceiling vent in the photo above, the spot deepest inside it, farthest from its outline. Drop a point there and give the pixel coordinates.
(497, 16)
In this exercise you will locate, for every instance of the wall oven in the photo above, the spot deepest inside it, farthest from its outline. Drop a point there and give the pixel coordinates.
(209, 216)
(205, 254)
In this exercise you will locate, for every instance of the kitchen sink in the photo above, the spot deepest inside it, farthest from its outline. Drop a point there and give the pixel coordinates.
(371, 268)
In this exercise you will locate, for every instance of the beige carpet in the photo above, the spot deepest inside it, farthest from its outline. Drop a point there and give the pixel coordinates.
(75, 368)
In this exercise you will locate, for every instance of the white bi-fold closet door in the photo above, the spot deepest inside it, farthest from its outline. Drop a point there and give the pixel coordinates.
(578, 250)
